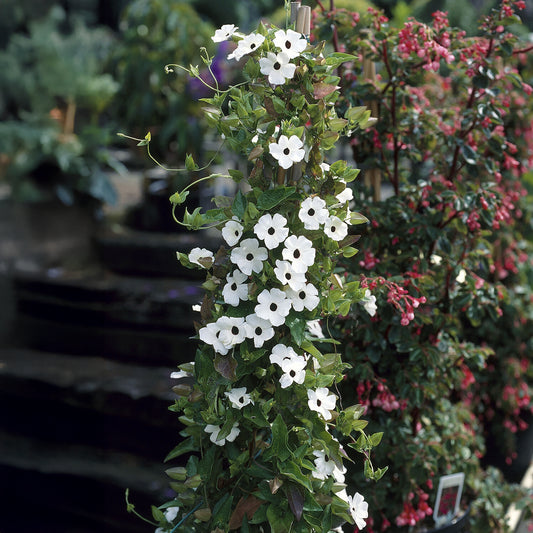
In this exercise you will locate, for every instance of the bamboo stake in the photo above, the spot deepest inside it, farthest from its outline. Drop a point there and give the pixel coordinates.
(372, 175)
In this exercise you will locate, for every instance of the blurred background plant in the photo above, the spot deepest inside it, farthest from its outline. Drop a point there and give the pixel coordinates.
(54, 93)
(444, 165)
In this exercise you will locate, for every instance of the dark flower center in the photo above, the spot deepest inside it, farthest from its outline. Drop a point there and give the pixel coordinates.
(311, 212)
(296, 254)
(301, 295)
(249, 257)
(288, 275)
(234, 287)
(273, 307)
(241, 399)
(258, 331)
(326, 458)
(288, 44)
(271, 231)
(318, 403)
(252, 46)
(234, 330)
(292, 373)
(276, 66)
(333, 229)
(286, 151)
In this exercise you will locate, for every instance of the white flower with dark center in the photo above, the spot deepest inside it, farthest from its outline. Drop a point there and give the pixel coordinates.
(281, 355)
(201, 257)
(232, 232)
(277, 67)
(321, 401)
(313, 212)
(290, 42)
(215, 431)
(358, 509)
(324, 464)
(369, 303)
(235, 290)
(224, 33)
(232, 330)
(335, 228)
(171, 513)
(210, 335)
(273, 305)
(239, 398)
(288, 276)
(292, 365)
(272, 230)
(300, 252)
(258, 329)
(249, 256)
(306, 296)
(294, 372)
(247, 45)
(287, 151)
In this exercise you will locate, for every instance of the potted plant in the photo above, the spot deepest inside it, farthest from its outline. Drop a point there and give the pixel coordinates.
(265, 435)
(441, 146)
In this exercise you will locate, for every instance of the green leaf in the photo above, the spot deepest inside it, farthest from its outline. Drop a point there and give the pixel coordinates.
(222, 510)
(185, 446)
(190, 163)
(280, 441)
(158, 515)
(469, 154)
(349, 251)
(278, 519)
(358, 218)
(146, 140)
(295, 498)
(273, 197)
(291, 470)
(236, 175)
(375, 438)
(239, 205)
(338, 58)
(297, 325)
(178, 198)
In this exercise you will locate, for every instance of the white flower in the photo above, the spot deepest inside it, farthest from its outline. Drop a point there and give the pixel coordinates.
(358, 509)
(313, 212)
(287, 151)
(272, 230)
(290, 42)
(321, 401)
(224, 33)
(258, 329)
(324, 167)
(313, 326)
(231, 232)
(369, 303)
(215, 430)
(282, 355)
(277, 67)
(324, 464)
(239, 397)
(273, 305)
(288, 276)
(232, 330)
(335, 228)
(249, 256)
(292, 365)
(345, 196)
(180, 374)
(300, 252)
(306, 296)
(210, 335)
(461, 277)
(247, 45)
(201, 254)
(171, 513)
(339, 474)
(235, 290)
(294, 372)
(197, 308)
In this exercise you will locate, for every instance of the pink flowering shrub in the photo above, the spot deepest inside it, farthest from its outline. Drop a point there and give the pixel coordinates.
(445, 255)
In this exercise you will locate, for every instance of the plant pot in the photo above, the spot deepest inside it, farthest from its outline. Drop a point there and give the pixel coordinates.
(458, 525)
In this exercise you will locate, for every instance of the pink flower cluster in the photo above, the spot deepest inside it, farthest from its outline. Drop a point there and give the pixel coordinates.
(418, 39)
(410, 516)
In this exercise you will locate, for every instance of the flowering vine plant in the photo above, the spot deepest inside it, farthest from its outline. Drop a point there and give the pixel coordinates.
(262, 417)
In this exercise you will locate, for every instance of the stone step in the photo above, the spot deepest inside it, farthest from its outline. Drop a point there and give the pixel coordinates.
(141, 320)
(141, 253)
(91, 400)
